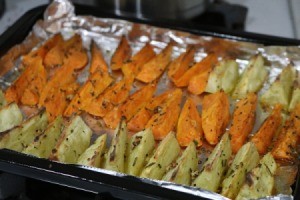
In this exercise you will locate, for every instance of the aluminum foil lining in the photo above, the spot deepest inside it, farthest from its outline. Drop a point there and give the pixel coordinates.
(60, 17)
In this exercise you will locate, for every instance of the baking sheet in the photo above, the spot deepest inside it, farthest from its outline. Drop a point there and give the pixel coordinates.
(60, 17)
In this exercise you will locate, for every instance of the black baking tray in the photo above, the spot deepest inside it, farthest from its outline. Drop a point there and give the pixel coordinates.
(73, 176)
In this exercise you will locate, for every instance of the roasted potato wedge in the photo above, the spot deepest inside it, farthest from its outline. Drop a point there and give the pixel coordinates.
(22, 136)
(10, 116)
(180, 171)
(264, 136)
(93, 155)
(243, 121)
(156, 66)
(165, 154)
(189, 126)
(215, 116)
(45, 142)
(252, 78)
(287, 140)
(295, 99)
(223, 77)
(139, 148)
(260, 180)
(116, 153)
(165, 120)
(215, 167)
(74, 141)
(245, 160)
(121, 55)
(280, 90)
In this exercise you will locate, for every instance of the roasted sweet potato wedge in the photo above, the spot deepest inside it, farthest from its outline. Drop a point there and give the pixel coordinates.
(94, 86)
(286, 143)
(137, 101)
(263, 138)
(139, 120)
(113, 117)
(198, 83)
(198, 68)
(113, 96)
(156, 66)
(215, 116)
(97, 61)
(43, 50)
(181, 64)
(28, 87)
(155, 103)
(189, 127)
(134, 65)
(243, 121)
(70, 52)
(166, 118)
(121, 55)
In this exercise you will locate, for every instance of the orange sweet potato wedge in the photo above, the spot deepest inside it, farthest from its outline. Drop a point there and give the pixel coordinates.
(137, 101)
(99, 107)
(196, 69)
(113, 117)
(42, 50)
(134, 65)
(156, 66)
(32, 93)
(55, 105)
(286, 144)
(70, 52)
(263, 138)
(215, 116)
(189, 127)
(30, 83)
(165, 120)
(139, 121)
(198, 83)
(64, 76)
(155, 103)
(112, 96)
(97, 62)
(181, 64)
(121, 55)
(92, 88)
(243, 121)
(119, 92)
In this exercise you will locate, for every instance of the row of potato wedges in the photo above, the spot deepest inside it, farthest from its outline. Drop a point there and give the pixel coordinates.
(50, 80)
(247, 176)
(99, 96)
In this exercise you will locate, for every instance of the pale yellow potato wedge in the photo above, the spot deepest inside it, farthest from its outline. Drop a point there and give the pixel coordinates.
(180, 171)
(215, 167)
(223, 77)
(75, 139)
(10, 116)
(165, 154)
(22, 136)
(115, 156)
(93, 155)
(252, 78)
(260, 180)
(245, 160)
(139, 148)
(281, 89)
(45, 142)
